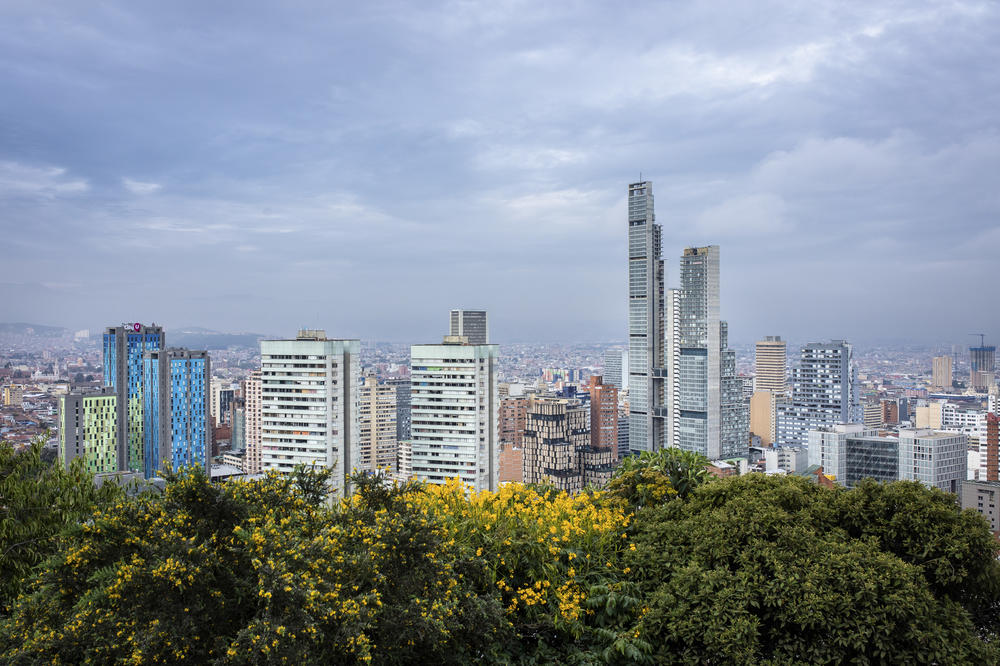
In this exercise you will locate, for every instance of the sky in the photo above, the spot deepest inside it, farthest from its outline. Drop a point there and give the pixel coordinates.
(365, 167)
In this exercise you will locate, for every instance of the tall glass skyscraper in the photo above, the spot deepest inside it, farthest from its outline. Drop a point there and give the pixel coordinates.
(646, 371)
(710, 415)
(124, 347)
(175, 410)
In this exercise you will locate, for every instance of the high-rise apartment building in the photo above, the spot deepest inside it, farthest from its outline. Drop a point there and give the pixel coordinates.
(982, 361)
(646, 350)
(176, 427)
(252, 400)
(707, 395)
(763, 409)
(616, 368)
(851, 452)
(123, 348)
(88, 429)
(770, 365)
(558, 449)
(402, 386)
(377, 414)
(824, 392)
(472, 324)
(455, 413)
(603, 415)
(942, 376)
(309, 404)
(513, 412)
(221, 401)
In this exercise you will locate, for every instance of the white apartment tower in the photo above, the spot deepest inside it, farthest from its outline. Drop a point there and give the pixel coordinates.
(646, 358)
(455, 416)
(309, 404)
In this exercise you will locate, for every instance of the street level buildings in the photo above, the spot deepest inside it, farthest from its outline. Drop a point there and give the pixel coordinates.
(455, 413)
(309, 404)
(646, 352)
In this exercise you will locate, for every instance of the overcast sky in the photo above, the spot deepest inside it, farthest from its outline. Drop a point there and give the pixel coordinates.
(366, 166)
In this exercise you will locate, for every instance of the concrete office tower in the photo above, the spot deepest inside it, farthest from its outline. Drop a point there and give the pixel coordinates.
(763, 409)
(770, 365)
(402, 386)
(252, 399)
(712, 417)
(557, 447)
(176, 427)
(942, 376)
(982, 366)
(377, 414)
(309, 405)
(824, 392)
(473, 324)
(603, 415)
(455, 413)
(871, 415)
(646, 350)
(851, 452)
(616, 368)
(88, 429)
(123, 347)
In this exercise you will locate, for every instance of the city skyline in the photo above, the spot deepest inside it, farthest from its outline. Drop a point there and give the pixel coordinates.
(157, 161)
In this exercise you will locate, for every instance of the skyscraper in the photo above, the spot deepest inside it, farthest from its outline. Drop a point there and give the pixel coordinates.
(558, 449)
(712, 417)
(88, 429)
(402, 385)
(473, 324)
(455, 412)
(377, 419)
(252, 398)
(176, 427)
(646, 367)
(942, 370)
(309, 404)
(123, 348)
(603, 415)
(616, 368)
(770, 365)
(982, 361)
(824, 392)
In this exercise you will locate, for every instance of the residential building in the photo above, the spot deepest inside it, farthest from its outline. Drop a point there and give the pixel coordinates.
(770, 365)
(558, 449)
(623, 449)
(88, 429)
(763, 409)
(238, 416)
(402, 386)
(791, 459)
(176, 426)
(455, 413)
(646, 352)
(603, 415)
(941, 372)
(851, 452)
(123, 348)
(252, 432)
(222, 400)
(13, 395)
(513, 412)
(377, 414)
(871, 414)
(309, 405)
(472, 324)
(824, 392)
(889, 412)
(712, 416)
(984, 498)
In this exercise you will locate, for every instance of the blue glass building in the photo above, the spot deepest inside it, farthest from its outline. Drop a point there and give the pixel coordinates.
(175, 412)
(124, 347)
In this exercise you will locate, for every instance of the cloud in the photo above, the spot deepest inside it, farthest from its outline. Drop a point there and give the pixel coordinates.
(43, 182)
(755, 214)
(139, 187)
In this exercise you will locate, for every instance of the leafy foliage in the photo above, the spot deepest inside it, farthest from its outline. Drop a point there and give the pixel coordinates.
(641, 478)
(38, 499)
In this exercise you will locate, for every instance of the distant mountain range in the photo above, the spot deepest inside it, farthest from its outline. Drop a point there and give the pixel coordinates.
(20, 328)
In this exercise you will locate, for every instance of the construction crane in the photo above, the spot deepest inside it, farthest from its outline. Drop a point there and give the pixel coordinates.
(982, 338)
